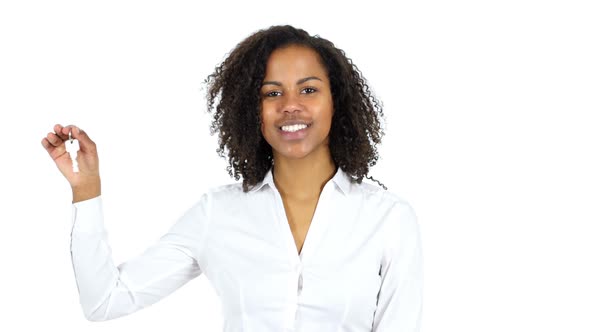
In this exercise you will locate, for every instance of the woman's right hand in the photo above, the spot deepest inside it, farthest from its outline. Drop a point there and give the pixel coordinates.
(86, 183)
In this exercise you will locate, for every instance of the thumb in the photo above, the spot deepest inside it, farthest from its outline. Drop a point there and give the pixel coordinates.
(86, 144)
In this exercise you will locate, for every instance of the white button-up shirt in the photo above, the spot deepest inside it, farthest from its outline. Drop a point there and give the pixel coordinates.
(360, 268)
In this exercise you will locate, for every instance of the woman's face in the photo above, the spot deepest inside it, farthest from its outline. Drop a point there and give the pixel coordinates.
(296, 103)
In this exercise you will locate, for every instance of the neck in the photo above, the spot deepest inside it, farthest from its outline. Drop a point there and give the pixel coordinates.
(303, 178)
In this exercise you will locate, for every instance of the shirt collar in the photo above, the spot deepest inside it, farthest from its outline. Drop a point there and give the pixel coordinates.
(268, 180)
(341, 179)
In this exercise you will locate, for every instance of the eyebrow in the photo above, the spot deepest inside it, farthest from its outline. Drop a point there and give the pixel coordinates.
(301, 81)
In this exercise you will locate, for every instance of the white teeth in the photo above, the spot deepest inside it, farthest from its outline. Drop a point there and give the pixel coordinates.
(293, 128)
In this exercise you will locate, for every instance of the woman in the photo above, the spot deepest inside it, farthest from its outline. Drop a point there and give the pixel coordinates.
(303, 244)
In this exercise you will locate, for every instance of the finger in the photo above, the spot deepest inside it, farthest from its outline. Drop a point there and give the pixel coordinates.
(48, 146)
(58, 129)
(85, 142)
(54, 140)
(65, 131)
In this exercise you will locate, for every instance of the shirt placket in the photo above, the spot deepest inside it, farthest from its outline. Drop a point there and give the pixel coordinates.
(296, 261)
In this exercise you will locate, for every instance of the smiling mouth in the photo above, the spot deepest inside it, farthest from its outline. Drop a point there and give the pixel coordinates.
(294, 128)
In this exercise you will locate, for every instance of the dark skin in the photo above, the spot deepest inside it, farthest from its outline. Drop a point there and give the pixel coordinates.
(85, 184)
(234, 99)
(296, 87)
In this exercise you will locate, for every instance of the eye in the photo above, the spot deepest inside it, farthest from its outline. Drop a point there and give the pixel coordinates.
(272, 94)
(308, 90)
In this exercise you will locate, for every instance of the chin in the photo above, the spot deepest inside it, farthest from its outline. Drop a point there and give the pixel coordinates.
(293, 154)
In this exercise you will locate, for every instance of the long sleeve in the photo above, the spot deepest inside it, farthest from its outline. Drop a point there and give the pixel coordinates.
(108, 291)
(399, 305)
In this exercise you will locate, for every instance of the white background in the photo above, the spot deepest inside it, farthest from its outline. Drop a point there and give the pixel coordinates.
(487, 137)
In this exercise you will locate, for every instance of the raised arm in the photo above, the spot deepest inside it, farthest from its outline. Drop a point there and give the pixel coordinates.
(108, 291)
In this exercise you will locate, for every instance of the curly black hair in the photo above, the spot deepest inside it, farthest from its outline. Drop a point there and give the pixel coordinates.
(233, 96)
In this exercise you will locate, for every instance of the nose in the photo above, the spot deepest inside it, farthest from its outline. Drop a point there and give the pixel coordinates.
(291, 103)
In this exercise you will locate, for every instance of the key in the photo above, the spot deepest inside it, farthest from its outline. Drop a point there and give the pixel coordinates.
(72, 148)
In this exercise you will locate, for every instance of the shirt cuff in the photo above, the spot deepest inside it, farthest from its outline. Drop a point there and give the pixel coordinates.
(87, 216)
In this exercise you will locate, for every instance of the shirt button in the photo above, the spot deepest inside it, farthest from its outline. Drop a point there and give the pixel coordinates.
(300, 284)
